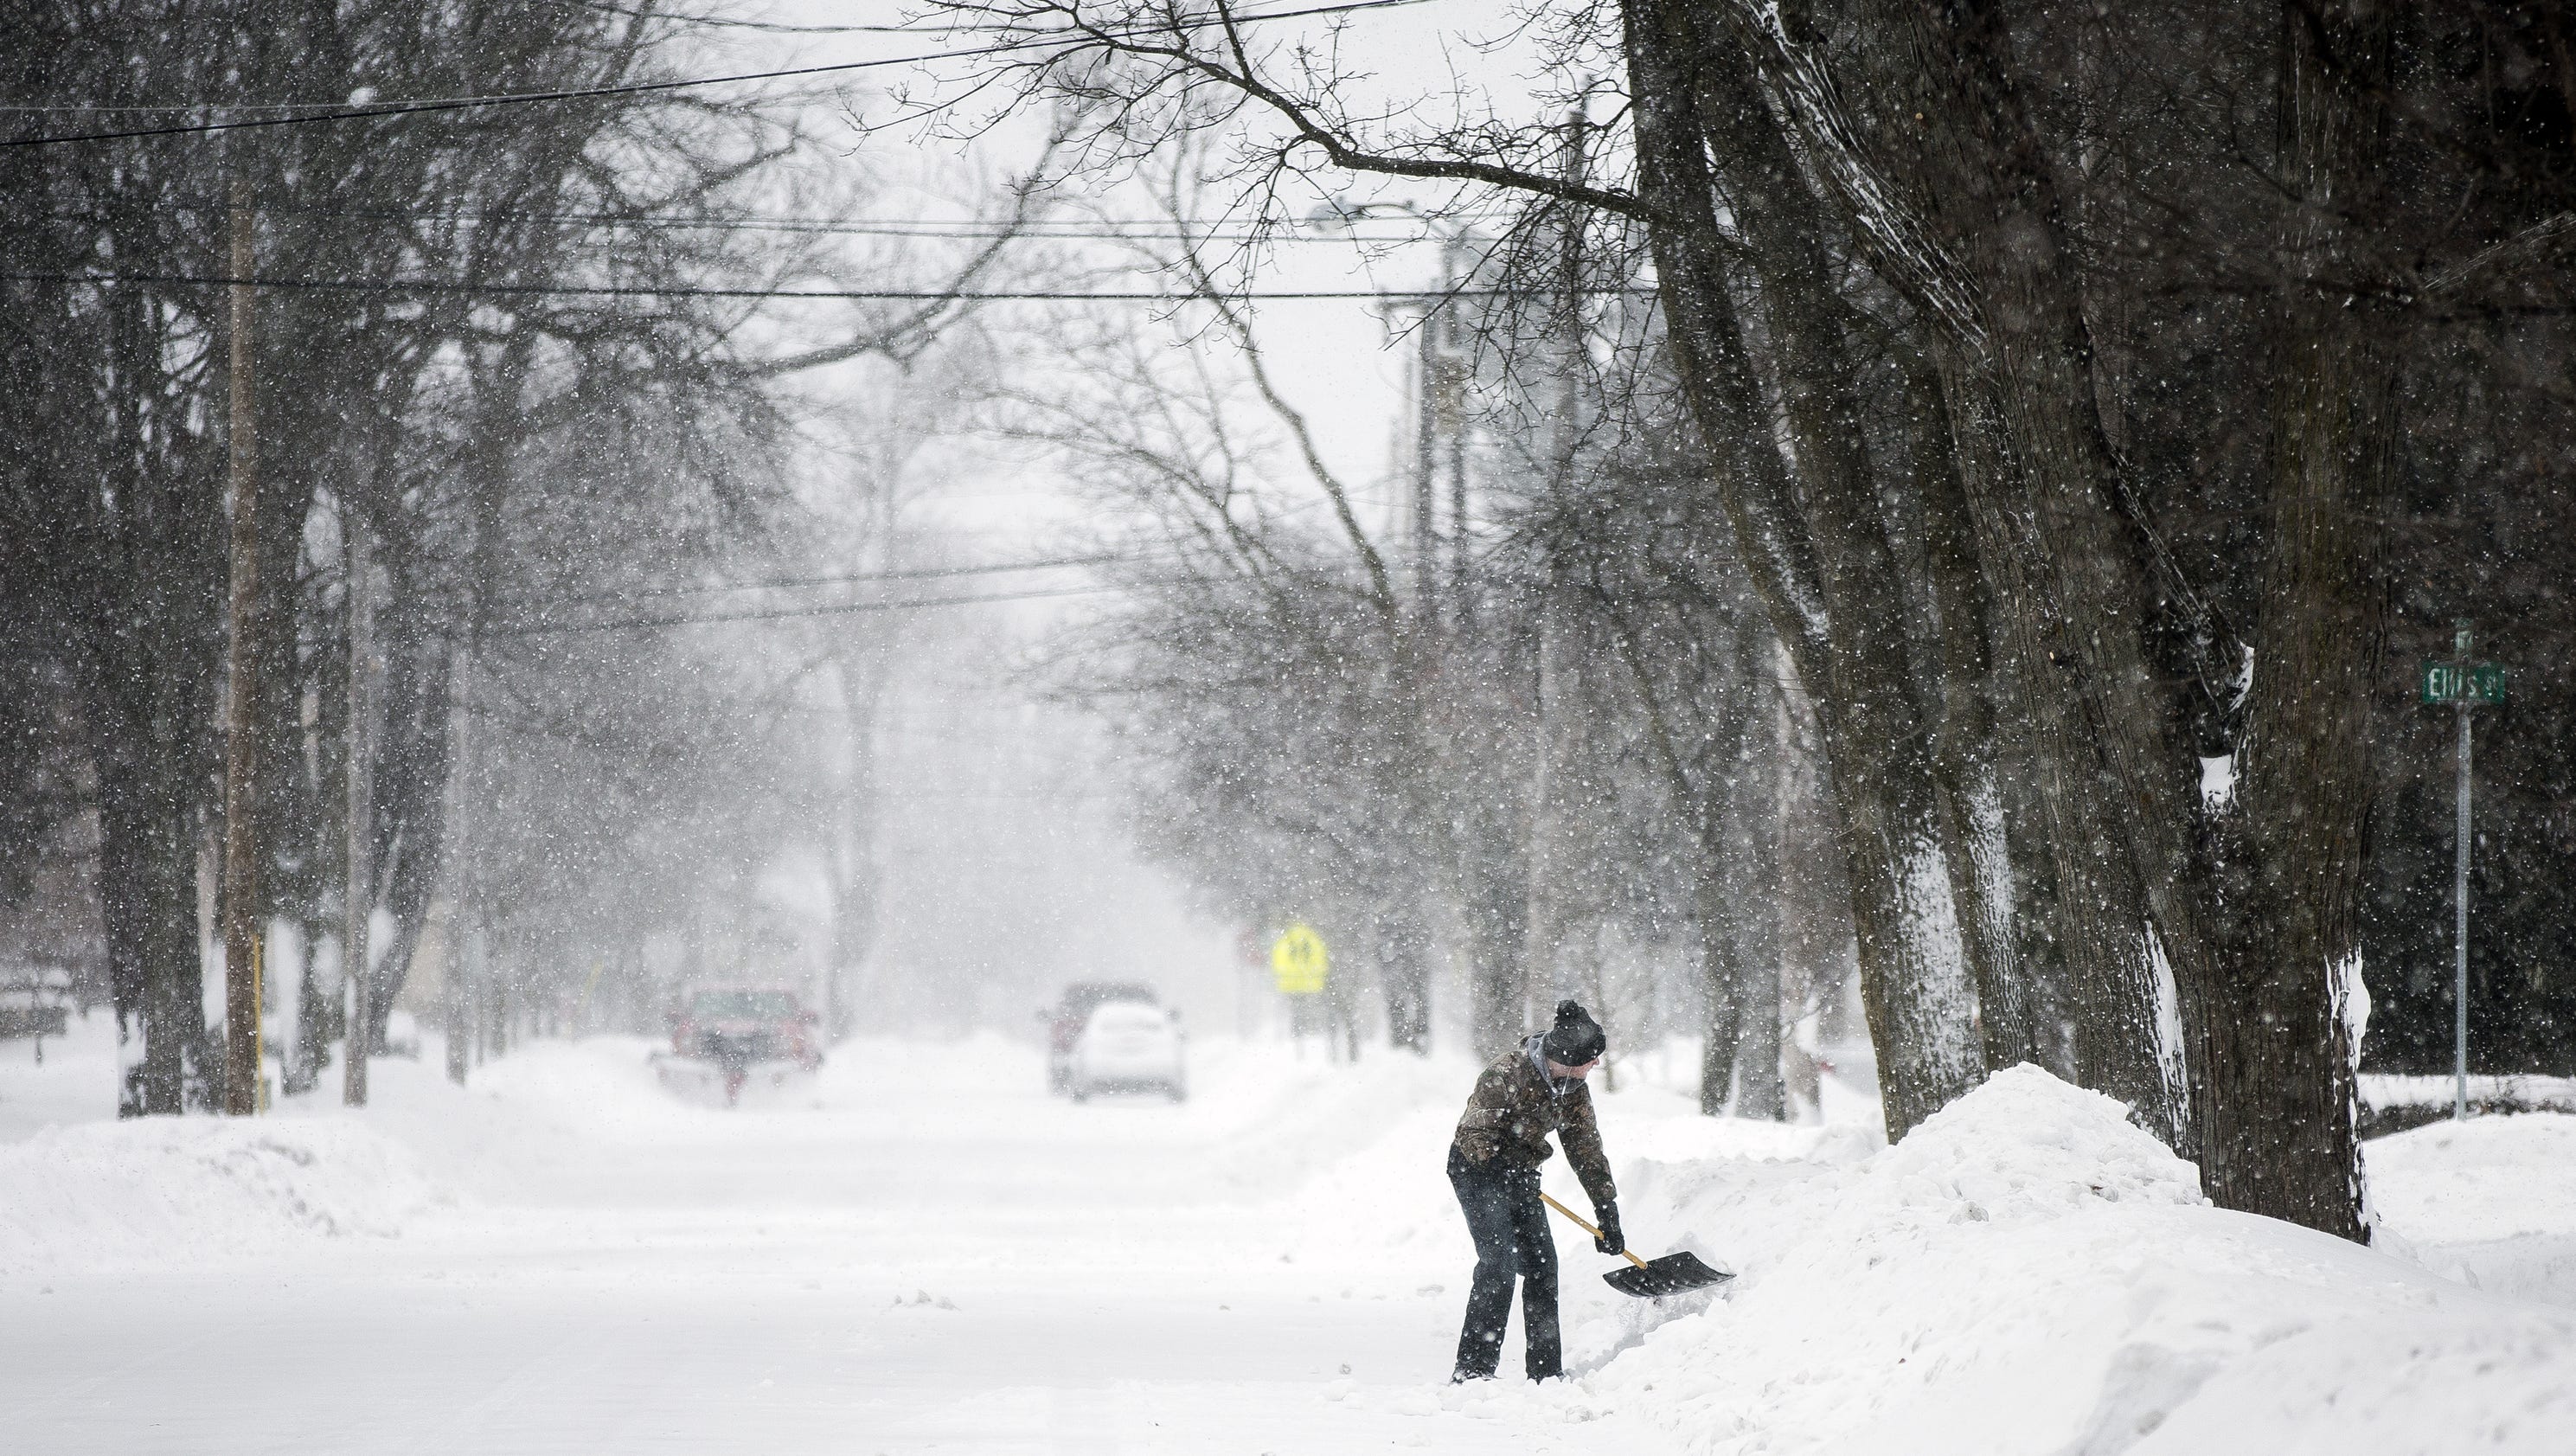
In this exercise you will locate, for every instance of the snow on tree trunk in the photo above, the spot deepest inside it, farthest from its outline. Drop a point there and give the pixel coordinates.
(2279, 1133)
(1914, 981)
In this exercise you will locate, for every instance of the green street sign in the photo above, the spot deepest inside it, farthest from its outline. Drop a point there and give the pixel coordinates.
(2458, 682)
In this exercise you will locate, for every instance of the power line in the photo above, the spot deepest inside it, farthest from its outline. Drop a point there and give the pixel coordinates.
(788, 222)
(520, 98)
(925, 573)
(836, 609)
(840, 609)
(892, 295)
(770, 27)
(1107, 230)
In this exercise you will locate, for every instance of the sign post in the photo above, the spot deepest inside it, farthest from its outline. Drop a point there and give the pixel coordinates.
(2464, 684)
(1299, 966)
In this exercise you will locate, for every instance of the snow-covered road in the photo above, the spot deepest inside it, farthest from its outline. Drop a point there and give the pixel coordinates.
(930, 1255)
(923, 1252)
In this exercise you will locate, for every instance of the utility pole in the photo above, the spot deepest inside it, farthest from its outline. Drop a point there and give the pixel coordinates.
(1438, 385)
(464, 931)
(241, 747)
(1454, 359)
(359, 897)
(1445, 364)
(1549, 916)
(1424, 546)
(1542, 979)
(1438, 428)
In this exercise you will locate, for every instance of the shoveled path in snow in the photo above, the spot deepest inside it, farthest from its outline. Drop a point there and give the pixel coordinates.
(927, 1254)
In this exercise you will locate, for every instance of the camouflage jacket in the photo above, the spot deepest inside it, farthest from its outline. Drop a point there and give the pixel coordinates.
(1513, 1109)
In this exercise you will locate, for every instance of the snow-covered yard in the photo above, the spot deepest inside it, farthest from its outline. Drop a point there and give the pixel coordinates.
(923, 1252)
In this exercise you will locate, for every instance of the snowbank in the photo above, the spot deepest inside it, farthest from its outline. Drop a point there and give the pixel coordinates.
(186, 1190)
(2384, 1091)
(2028, 1272)
(2490, 1202)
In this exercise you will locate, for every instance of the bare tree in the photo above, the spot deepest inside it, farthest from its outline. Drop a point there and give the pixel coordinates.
(2130, 322)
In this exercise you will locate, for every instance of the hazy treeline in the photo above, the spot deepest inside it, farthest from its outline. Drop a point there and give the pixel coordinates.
(524, 458)
(1548, 742)
(2101, 411)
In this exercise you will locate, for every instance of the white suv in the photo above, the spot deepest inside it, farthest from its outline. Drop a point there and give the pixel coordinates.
(1127, 1047)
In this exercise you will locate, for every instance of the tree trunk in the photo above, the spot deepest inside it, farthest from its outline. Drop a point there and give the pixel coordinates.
(852, 857)
(1404, 970)
(1829, 597)
(151, 581)
(148, 904)
(2077, 578)
(2038, 930)
(1713, 910)
(2276, 1052)
(2157, 900)
(309, 1044)
(1760, 806)
(2125, 1042)
(1408, 781)
(1870, 703)
(1760, 1094)
(1494, 898)
(1981, 868)
(415, 727)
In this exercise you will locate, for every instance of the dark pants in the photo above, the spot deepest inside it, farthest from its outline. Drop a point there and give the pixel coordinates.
(1509, 1226)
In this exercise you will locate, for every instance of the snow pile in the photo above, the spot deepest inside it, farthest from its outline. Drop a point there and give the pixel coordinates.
(184, 1190)
(2490, 1202)
(2383, 1091)
(2030, 1273)
(2024, 1147)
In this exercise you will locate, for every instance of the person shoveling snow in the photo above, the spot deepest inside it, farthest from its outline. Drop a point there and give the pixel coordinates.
(1494, 1159)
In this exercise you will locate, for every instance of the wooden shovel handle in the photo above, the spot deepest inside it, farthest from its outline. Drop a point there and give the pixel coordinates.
(1589, 1229)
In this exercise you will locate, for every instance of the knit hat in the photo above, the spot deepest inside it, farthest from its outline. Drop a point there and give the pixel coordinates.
(1575, 1039)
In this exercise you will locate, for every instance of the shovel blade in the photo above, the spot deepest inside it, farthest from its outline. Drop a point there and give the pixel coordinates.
(1671, 1274)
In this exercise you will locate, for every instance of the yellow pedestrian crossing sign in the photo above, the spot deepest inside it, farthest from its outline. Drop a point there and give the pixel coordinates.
(1299, 962)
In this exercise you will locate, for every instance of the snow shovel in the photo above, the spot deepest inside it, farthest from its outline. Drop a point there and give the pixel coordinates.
(1652, 1278)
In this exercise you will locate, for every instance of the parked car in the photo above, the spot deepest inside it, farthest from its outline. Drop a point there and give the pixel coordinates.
(402, 1034)
(733, 1033)
(1072, 1010)
(1127, 1046)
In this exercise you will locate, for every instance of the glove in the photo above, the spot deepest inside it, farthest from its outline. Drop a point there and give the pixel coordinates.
(1609, 1240)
